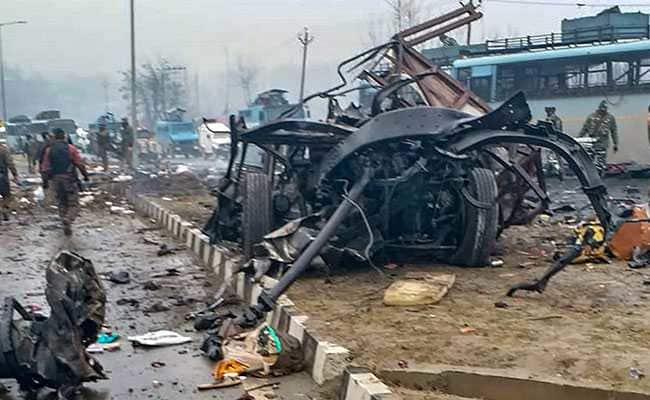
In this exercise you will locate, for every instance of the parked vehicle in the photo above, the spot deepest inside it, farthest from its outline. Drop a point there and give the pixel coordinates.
(177, 136)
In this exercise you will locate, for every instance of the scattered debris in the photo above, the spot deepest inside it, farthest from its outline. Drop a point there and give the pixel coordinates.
(501, 304)
(640, 258)
(634, 233)
(468, 329)
(158, 364)
(120, 277)
(418, 289)
(151, 285)
(230, 382)
(77, 302)
(157, 307)
(128, 301)
(159, 338)
(636, 374)
(497, 263)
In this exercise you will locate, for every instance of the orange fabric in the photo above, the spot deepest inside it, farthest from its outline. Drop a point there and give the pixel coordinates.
(631, 235)
(230, 366)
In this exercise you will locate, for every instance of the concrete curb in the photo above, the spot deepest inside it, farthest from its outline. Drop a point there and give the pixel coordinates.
(361, 384)
(324, 360)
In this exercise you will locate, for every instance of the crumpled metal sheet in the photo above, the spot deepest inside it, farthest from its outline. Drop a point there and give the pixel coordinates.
(52, 349)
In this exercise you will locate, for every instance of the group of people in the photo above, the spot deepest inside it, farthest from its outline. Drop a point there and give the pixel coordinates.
(600, 125)
(126, 144)
(59, 163)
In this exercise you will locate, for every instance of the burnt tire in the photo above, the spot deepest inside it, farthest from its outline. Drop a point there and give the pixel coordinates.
(480, 220)
(256, 211)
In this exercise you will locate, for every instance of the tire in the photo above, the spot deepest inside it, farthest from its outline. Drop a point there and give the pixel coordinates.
(256, 211)
(480, 224)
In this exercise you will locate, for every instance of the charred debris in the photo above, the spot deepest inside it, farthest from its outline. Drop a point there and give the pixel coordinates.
(429, 169)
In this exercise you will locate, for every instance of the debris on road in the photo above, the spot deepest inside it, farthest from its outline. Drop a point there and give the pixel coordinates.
(51, 351)
(419, 289)
(226, 383)
(640, 258)
(119, 277)
(159, 339)
(151, 285)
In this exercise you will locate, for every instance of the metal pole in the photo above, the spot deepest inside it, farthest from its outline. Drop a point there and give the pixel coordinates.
(134, 116)
(2, 81)
(305, 40)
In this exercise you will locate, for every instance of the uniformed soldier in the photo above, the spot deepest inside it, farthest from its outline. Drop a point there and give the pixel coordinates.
(128, 140)
(601, 125)
(103, 140)
(6, 165)
(553, 119)
(60, 162)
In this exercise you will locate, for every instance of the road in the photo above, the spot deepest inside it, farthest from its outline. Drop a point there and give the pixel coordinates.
(113, 243)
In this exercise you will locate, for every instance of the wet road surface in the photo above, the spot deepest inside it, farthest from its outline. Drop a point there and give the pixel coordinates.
(113, 243)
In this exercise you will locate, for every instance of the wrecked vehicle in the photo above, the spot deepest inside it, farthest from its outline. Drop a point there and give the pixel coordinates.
(50, 351)
(429, 170)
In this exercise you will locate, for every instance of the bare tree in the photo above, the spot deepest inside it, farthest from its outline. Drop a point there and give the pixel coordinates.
(405, 13)
(247, 73)
(155, 90)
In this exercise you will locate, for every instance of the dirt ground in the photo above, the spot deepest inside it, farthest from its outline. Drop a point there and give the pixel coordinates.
(590, 326)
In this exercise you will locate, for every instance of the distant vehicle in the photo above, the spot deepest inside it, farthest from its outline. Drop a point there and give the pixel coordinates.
(146, 145)
(269, 106)
(176, 136)
(16, 130)
(69, 126)
(219, 137)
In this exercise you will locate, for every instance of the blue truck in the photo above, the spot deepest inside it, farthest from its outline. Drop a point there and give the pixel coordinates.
(176, 136)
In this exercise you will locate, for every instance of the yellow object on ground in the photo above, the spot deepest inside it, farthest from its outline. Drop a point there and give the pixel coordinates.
(593, 234)
(419, 289)
(227, 367)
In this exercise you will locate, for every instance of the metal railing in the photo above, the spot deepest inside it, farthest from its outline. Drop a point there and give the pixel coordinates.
(601, 35)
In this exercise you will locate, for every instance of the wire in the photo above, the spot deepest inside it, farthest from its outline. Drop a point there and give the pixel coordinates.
(371, 241)
(575, 4)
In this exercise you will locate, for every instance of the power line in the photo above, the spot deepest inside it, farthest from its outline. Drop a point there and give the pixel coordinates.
(575, 4)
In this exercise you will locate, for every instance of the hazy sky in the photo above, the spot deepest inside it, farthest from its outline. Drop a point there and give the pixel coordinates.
(90, 38)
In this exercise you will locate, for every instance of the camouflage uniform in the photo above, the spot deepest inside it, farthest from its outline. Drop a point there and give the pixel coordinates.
(128, 139)
(60, 163)
(555, 121)
(601, 125)
(6, 165)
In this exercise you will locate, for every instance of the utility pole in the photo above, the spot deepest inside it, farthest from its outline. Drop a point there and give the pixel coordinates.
(2, 70)
(134, 115)
(105, 86)
(305, 39)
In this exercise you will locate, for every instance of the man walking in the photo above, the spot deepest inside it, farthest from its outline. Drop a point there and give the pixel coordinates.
(6, 165)
(103, 140)
(60, 162)
(553, 119)
(128, 138)
(600, 125)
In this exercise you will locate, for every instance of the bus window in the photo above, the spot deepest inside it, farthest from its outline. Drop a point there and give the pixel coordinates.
(597, 75)
(260, 116)
(482, 87)
(506, 82)
(464, 75)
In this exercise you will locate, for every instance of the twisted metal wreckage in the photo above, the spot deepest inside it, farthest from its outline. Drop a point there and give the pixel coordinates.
(41, 351)
(429, 169)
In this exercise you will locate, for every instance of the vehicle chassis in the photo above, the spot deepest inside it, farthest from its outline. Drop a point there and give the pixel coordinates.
(408, 178)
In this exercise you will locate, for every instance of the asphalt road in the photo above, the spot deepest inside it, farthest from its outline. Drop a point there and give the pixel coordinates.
(112, 242)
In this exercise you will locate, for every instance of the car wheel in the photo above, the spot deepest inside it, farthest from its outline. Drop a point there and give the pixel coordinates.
(480, 220)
